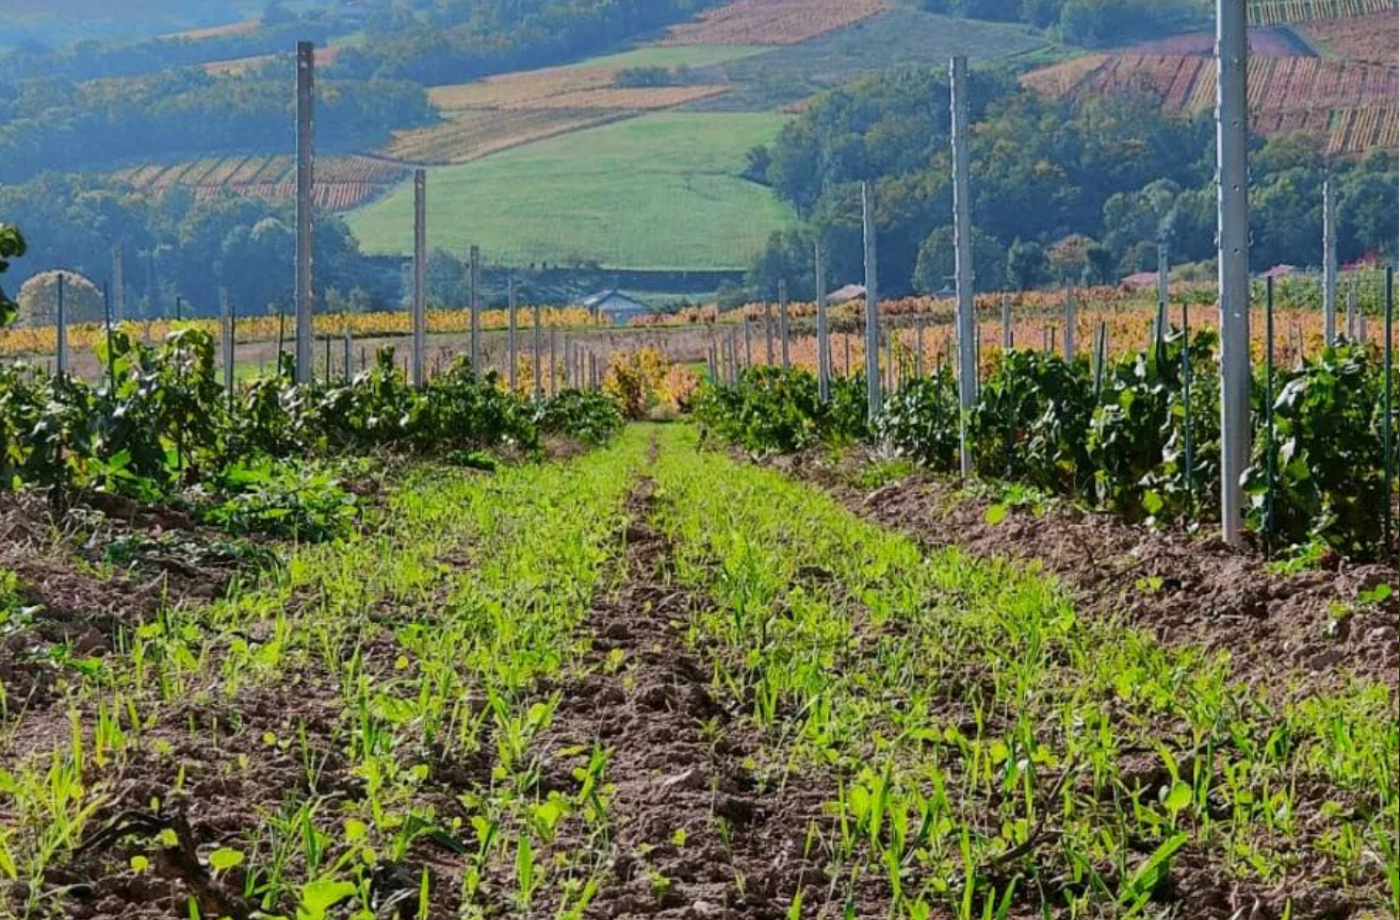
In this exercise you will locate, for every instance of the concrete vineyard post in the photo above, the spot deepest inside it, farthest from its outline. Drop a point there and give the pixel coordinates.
(962, 256)
(119, 283)
(61, 328)
(107, 322)
(1100, 350)
(1159, 324)
(872, 303)
(553, 361)
(349, 345)
(889, 360)
(783, 325)
(538, 351)
(512, 336)
(226, 334)
(919, 347)
(305, 167)
(1387, 402)
(823, 337)
(1188, 451)
(1351, 313)
(1008, 335)
(474, 305)
(1269, 455)
(1329, 262)
(1071, 319)
(768, 332)
(1361, 332)
(1231, 127)
(420, 271)
(977, 352)
(733, 356)
(748, 343)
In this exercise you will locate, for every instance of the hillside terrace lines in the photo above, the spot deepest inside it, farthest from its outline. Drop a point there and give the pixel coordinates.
(1275, 12)
(343, 182)
(774, 22)
(1351, 104)
(1357, 38)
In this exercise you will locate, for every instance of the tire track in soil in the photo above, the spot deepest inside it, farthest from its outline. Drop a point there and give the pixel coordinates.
(744, 853)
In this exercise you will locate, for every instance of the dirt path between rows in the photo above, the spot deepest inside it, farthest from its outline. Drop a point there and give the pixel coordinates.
(1306, 628)
(695, 836)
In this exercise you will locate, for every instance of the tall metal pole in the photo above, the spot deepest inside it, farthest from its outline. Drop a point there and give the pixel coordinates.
(872, 304)
(306, 101)
(1329, 262)
(823, 340)
(962, 256)
(475, 306)
(61, 328)
(783, 322)
(420, 271)
(1231, 129)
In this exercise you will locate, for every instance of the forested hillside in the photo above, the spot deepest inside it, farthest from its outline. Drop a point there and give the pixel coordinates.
(1065, 189)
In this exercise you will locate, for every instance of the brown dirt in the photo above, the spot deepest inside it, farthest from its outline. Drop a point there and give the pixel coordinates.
(681, 760)
(1278, 628)
(80, 591)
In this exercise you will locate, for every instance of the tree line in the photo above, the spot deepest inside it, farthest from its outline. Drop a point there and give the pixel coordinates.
(174, 245)
(1061, 190)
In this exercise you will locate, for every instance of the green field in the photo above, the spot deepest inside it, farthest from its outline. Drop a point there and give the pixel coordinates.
(659, 192)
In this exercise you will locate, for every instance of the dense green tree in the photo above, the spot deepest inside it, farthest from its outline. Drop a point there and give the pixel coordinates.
(936, 264)
(1026, 267)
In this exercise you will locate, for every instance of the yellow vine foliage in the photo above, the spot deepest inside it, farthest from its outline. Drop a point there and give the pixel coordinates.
(645, 380)
(40, 340)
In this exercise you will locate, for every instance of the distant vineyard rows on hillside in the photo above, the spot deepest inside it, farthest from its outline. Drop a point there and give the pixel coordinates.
(471, 134)
(1351, 104)
(342, 182)
(773, 22)
(1356, 38)
(1276, 12)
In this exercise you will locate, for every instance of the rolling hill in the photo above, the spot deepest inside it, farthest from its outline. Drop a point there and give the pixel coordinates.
(661, 192)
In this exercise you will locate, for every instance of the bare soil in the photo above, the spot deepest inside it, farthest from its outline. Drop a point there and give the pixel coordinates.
(697, 834)
(87, 572)
(1277, 628)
